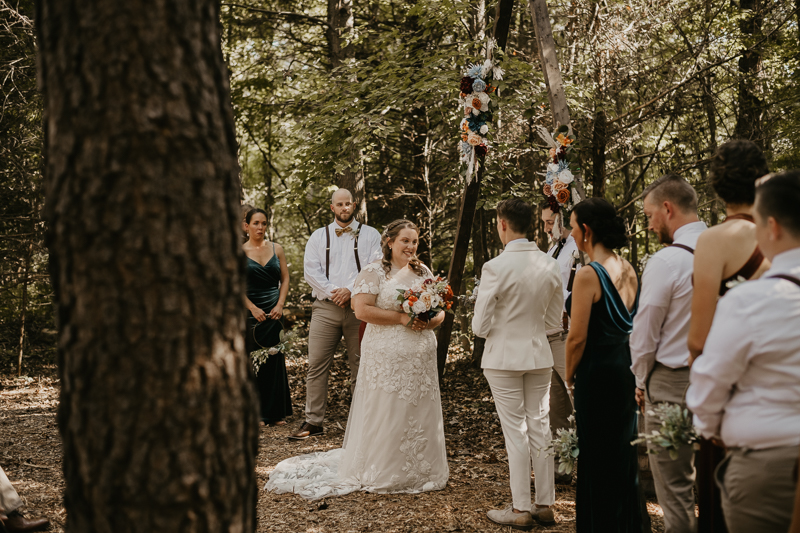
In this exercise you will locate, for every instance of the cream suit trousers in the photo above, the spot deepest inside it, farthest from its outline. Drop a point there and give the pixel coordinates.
(9, 499)
(522, 399)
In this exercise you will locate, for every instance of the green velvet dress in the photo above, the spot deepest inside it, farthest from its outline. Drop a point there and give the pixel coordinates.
(272, 382)
(608, 498)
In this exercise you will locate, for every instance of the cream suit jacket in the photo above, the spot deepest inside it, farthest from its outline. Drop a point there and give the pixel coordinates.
(519, 299)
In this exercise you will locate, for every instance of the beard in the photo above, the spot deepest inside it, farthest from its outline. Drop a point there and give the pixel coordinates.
(663, 236)
(344, 219)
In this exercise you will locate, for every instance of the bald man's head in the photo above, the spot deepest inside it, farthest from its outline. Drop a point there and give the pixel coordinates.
(342, 206)
(341, 194)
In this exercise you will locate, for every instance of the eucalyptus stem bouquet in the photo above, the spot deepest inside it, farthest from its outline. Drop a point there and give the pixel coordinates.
(676, 430)
(564, 447)
(261, 355)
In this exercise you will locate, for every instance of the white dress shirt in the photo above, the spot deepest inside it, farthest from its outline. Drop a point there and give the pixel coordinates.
(565, 261)
(343, 268)
(661, 325)
(745, 388)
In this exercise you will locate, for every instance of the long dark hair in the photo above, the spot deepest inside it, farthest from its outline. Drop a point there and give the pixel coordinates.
(390, 233)
(608, 227)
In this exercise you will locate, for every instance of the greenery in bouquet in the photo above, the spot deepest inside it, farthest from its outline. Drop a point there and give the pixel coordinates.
(564, 447)
(426, 299)
(261, 355)
(675, 432)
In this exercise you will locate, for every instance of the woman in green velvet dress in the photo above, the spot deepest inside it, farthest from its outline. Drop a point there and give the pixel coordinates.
(602, 305)
(267, 287)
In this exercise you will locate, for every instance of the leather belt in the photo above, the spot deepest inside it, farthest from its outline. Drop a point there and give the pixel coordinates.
(558, 336)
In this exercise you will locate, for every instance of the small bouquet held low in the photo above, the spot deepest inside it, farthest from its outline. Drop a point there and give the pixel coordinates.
(564, 447)
(676, 431)
(426, 299)
(260, 356)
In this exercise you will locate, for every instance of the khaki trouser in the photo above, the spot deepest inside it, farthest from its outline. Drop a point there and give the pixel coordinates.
(560, 402)
(328, 323)
(757, 488)
(674, 479)
(9, 499)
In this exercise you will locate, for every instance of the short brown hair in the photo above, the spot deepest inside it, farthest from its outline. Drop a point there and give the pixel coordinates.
(673, 188)
(517, 212)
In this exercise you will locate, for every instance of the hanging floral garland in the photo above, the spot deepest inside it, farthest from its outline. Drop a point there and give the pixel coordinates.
(474, 99)
(559, 187)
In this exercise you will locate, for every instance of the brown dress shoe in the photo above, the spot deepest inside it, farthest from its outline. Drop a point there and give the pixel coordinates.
(307, 430)
(16, 523)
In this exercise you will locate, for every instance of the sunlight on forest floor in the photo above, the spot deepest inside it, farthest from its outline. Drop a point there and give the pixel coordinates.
(30, 453)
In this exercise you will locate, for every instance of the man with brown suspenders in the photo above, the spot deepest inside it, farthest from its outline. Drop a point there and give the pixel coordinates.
(334, 256)
(659, 354)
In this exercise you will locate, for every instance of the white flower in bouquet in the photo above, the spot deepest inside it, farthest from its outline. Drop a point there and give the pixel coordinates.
(419, 307)
(565, 176)
(406, 307)
(427, 299)
(274, 350)
(552, 167)
(484, 129)
(436, 301)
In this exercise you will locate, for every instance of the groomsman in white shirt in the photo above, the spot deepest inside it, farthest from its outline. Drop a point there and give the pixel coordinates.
(519, 300)
(659, 354)
(563, 250)
(745, 390)
(334, 256)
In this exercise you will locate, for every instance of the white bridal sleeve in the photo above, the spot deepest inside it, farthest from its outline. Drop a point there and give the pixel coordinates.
(369, 280)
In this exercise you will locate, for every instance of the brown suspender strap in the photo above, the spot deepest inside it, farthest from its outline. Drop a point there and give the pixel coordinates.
(684, 247)
(328, 253)
(787, 278)
(355, 249)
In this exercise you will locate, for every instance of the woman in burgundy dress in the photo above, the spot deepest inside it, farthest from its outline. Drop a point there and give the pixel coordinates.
(726, 254)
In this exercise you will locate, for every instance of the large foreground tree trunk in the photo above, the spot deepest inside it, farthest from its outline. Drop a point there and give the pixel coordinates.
(157, 413)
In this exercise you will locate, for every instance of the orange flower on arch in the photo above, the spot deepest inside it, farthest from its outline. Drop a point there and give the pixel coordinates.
(562, 196)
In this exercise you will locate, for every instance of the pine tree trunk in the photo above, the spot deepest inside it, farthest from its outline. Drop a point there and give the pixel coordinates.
(157, 412)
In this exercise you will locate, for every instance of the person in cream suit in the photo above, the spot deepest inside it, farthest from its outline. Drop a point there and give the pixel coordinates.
(521, 297)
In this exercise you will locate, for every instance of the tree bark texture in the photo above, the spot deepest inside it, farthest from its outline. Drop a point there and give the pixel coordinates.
(547, 54)
(157, 412)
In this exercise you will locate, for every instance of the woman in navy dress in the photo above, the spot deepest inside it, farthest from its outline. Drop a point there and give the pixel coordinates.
(267, 287)
(602, 305)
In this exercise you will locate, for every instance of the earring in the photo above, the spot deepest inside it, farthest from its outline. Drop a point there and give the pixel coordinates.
(584, 239)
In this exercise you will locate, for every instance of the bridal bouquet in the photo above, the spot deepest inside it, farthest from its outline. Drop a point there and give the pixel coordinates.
(425, 299)
(676, 430)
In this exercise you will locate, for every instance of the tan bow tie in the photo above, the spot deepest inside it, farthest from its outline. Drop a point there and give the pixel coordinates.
(341, 231)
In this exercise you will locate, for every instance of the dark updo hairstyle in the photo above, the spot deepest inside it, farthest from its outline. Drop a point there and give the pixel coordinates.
(734, 170)
(777, 196)
(390, 233)
(607, 227)
(252, 212)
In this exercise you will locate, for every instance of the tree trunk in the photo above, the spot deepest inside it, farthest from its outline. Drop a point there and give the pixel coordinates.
(469, 201)
(749, 123)
(341, 20)
(547, 55)
(157, 412)
(24, 308)
(599, 155)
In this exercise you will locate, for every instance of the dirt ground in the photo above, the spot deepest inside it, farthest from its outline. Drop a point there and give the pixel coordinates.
(30, 453)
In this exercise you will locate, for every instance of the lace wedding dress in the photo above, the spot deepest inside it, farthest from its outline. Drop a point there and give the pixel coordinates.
(394, 440)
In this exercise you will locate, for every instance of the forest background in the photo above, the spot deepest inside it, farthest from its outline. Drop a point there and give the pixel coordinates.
(365, 96)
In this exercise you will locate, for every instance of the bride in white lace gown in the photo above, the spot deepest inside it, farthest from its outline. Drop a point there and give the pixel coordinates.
(394, 440)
